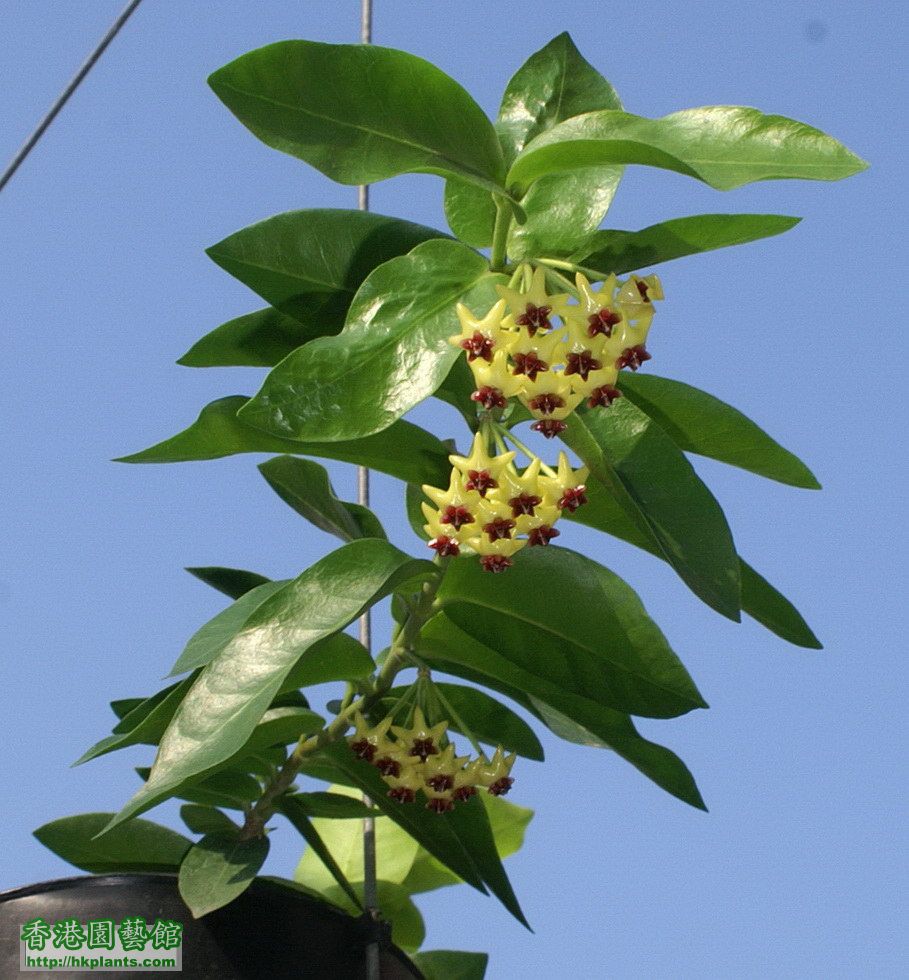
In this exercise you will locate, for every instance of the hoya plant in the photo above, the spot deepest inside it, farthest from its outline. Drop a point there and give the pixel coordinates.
(535, 325)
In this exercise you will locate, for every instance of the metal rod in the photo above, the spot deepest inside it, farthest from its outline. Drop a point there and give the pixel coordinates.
(63, 98)
(370, 883)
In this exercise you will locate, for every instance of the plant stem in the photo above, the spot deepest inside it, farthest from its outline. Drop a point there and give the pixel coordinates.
(593, 274)
(399, 656)
(500, 236)
(526, 450)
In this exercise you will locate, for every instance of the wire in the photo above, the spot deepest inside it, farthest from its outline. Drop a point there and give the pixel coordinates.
(63, 98)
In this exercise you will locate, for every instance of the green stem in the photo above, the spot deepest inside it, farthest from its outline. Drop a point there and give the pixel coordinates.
(500, 236)
(561, 281)
(526, 450)
(593, 274)
(399, 656)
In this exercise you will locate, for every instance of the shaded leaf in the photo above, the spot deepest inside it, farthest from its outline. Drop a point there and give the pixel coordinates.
(332, 806)
(205, 820)
(450, 964)
(233, 582)
(218, 869)
(403, 450)
(138, 848)
(305, 486)
(258, 339)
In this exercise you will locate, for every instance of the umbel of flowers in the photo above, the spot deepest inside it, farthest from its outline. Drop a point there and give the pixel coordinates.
(552, 355)
(420, 759)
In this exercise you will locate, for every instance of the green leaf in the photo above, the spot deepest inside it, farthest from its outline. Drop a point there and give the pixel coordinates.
(470, 212)
(361, 113)
(296, 813)
(392, 353)
(408, 929)
(403, 450)
(450, 964)
(308, 264)
(490, 721)
(611, 652)
(259, 339)
(138, 848)
(508, 823)
(553, 85)
(306, 487)
(759, 598)
(699, 423)
(233, 582)
(230, 790)
(209, 640)
(625, 251)
(205, 820)
(332, 806)
(218, 869)
(336, 658)
(456, 390)
(651, 478)
(145, 724)
(450, 649)
(123, 707)
(233, 692)
(723, 146)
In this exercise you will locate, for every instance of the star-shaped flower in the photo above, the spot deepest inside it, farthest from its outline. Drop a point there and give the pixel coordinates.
(533, 309)
(481, 471)
(421, 739)
(480, 337)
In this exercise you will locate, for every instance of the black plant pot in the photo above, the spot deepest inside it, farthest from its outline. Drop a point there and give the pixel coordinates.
(270, 931)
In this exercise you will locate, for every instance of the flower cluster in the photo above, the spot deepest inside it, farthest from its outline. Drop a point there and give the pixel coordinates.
(552, 354)
(421, 759)
(493, 510)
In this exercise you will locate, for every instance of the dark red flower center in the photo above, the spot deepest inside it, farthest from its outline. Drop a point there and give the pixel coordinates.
(642, 289)
(602, 322)
(495, 563)
(424, 748)
(603, 396)
(480, 480)
(541, 535)
(363, 749)
(445, 547)
(388, 766)
(535, 318)
(456, 516)
(438, 804)
(529, 364)
(402, 794)
(632, 357)
(441, 782)
(479, 345)
(582, 364)
(464, 793)
(489, 397)
(501, 527)
(501, 786)
(547, 403)
(573, 498)
(549, 427)
(524, 504)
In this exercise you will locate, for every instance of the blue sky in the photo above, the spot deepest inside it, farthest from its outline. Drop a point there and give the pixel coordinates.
(799, 868)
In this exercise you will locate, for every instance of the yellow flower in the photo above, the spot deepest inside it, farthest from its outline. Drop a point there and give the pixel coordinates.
(367, 741)
(480, 338)
(494, 774)
(568, 486)
(550, 396)
(534, 309)
(421, 740)
(481, 470)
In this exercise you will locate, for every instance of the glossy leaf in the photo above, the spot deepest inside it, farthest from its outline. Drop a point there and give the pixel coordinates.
(392, 353)
(218, 869)
(699, 423)
(612, 653)
(456, 390)
(470, 212)
(205, 820)
(759, 598)
(490, 721)
(403, 450)
(209, 640)
(361, 113)
(230, 790)
(625, 251)
(723, 146)
(233, 692)
(258, 339)
(233, 582)
(310, 263)
(553, 85)
(336, 658)
(138, 848)
(450, 649)
(123, 706)
(451, 964)
(145, 724)
(305, 486)
(649, 476)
